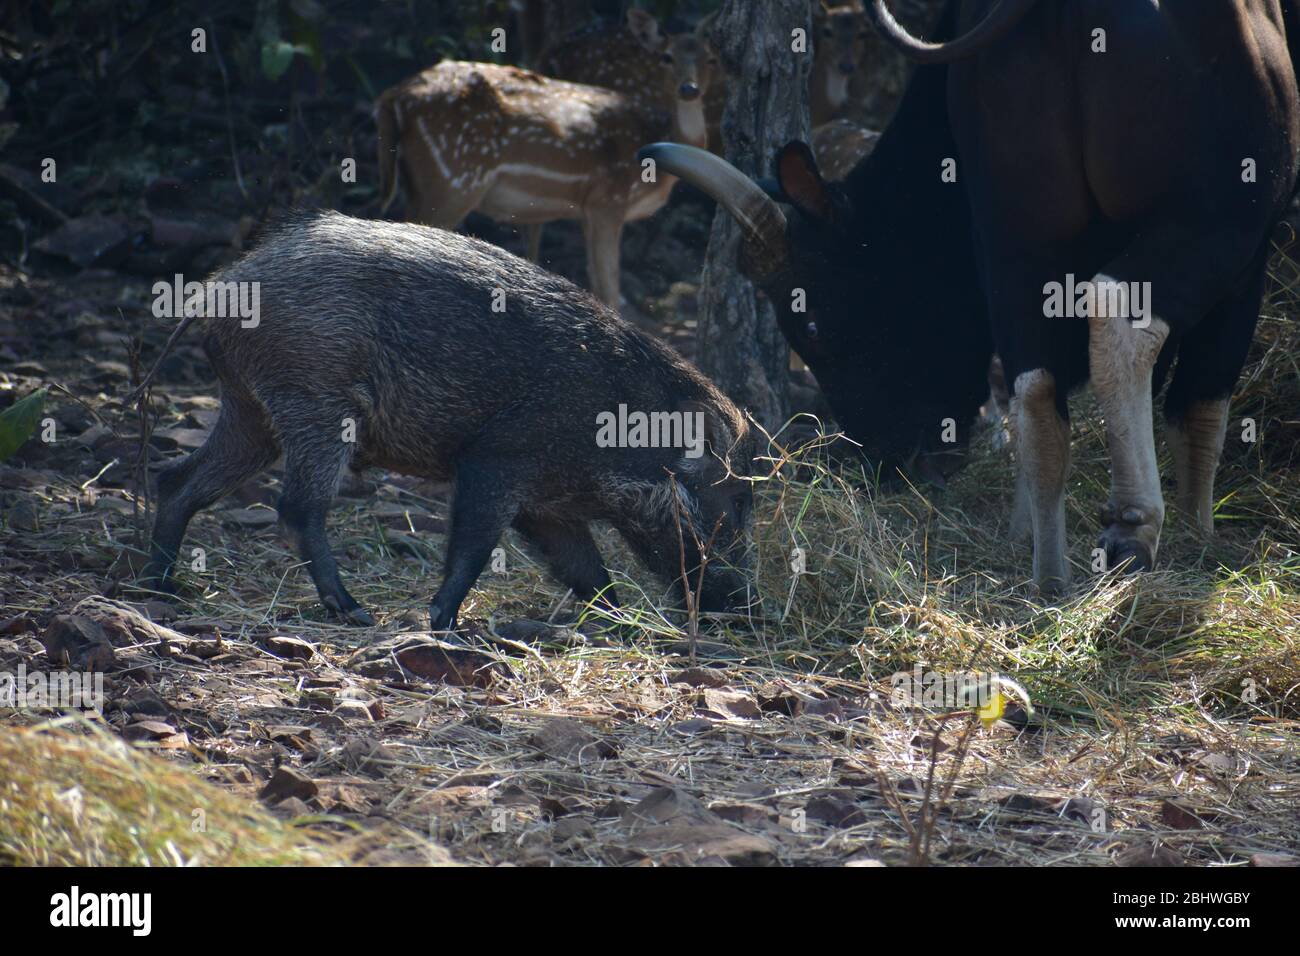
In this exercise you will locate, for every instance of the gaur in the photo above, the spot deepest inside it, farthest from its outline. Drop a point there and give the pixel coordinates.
(1139, 150)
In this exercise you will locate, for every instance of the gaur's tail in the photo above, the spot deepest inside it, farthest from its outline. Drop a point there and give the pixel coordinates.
(390, 132)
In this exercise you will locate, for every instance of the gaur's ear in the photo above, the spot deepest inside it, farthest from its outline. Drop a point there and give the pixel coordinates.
(800, 184)
(644, 27)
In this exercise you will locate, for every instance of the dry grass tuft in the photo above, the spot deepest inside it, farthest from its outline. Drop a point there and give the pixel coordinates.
(74, 795)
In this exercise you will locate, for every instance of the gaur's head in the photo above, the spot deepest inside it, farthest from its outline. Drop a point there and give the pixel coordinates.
(840, 305)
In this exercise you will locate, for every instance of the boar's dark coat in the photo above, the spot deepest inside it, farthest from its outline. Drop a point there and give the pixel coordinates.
(389, 330)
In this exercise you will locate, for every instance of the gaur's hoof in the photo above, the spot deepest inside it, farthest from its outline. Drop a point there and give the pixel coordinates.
(1052, 588)
(1126, 547)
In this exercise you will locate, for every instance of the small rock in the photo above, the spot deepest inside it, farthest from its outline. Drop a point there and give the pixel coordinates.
(90, 241)
(22, 515)
(288, 783)
(79, 643)
(290, 647)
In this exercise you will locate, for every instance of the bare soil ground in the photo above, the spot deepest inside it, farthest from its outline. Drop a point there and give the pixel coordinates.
(1166, 714)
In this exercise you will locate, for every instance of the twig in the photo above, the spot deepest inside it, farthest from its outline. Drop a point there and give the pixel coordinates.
(230, 123)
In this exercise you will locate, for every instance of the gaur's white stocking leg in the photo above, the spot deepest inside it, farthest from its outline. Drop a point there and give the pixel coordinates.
(1121, 356)
(1196, 441)
(1043, 453)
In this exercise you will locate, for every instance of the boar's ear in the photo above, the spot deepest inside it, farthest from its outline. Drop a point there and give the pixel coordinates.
(644, 27)
(800, 184)
(708, 432)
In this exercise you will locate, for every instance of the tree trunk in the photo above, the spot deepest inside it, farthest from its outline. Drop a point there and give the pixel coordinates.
(740, 345)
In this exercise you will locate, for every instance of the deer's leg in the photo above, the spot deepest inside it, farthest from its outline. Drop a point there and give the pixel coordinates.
(603, 230)
(533, 236)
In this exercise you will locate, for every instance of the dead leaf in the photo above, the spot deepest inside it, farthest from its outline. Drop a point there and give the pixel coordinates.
(699, 677)
(730, 703)
(835, 811)
(1148, 855)
(445, 664)
(703, 845)
(566, 739)
(1180, 816)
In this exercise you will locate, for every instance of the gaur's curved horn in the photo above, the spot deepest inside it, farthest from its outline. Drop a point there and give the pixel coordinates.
(760, 219)
(1005, 15)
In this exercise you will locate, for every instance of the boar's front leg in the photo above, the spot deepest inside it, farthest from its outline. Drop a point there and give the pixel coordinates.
(484, 503)
(570, 553)
(311, 476)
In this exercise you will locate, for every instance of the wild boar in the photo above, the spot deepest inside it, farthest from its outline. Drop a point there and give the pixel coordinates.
(433, 354)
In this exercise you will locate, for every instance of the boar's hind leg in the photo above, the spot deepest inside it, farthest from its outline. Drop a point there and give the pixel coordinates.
(240, 446)
(313, 465)
(570, 553)
(484, 503)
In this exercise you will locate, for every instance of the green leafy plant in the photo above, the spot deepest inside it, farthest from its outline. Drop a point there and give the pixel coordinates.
(19, 420)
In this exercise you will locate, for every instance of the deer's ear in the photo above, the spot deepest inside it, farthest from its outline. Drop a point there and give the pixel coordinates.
(800, 182)
(644, 27)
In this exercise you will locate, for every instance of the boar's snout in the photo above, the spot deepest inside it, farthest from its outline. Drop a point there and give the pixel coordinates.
(724, 590)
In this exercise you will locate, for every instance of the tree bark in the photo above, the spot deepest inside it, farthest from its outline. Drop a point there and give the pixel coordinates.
(740, 345)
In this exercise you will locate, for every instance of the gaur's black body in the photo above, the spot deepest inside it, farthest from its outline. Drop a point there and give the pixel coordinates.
(1123, 166)
(391, 327)
(1127, 163)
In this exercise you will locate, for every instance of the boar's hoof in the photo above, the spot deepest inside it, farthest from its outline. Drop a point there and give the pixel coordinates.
(155, 581)
(358, 617)
(349, 611)
(440, 620)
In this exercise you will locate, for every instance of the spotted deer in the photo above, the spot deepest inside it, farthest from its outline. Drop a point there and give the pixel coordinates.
(840, 35)
(526, 149)
(619, 56)
(840, 145)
